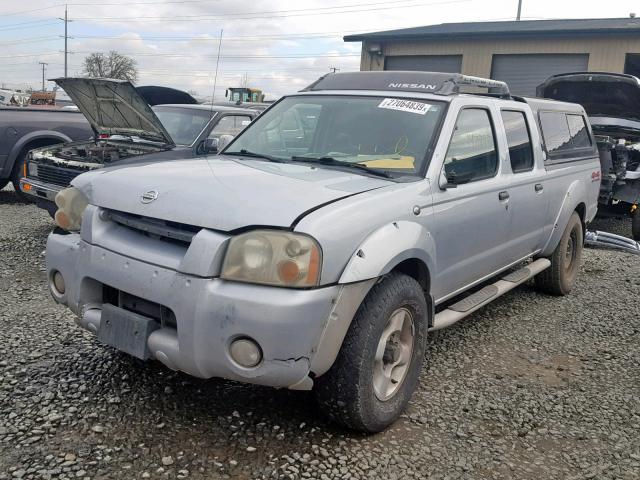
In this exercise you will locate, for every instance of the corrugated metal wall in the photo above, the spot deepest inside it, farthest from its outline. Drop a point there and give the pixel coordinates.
(524, 72)
(606, 54)
(425, 63)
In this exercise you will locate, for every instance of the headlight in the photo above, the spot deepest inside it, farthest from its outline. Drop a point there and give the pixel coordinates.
(32, 169)
(71, 204)
(273, 257)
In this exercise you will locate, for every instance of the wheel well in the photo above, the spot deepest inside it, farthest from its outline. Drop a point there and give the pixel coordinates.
(35, 143)
(416, 269)
(581, 210)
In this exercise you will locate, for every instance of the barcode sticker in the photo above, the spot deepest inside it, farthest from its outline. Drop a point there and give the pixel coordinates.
(405, 105)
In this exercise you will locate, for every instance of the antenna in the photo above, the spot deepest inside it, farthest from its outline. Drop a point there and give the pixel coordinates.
(215, 78)
(519, 10)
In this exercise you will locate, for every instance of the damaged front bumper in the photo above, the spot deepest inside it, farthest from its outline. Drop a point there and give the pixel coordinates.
(298, 331)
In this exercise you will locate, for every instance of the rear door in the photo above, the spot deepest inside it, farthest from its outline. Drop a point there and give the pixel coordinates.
(472, 218)
(528, 201)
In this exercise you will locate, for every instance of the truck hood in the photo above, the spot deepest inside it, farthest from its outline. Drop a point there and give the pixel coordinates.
(601, 94)
(222, 194)
(114, 107)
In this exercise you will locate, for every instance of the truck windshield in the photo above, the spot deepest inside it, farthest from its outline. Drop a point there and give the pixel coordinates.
(385, 134)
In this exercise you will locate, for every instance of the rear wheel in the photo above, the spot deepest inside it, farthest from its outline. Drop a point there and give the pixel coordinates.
(378, 366)
(560, 277)
(635, 226)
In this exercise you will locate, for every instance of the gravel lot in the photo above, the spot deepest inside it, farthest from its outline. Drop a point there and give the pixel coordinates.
(530, 387)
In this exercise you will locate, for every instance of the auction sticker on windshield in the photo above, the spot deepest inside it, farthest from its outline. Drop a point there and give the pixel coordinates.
(405, 105)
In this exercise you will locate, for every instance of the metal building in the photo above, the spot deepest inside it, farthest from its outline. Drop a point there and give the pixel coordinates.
(521, 53)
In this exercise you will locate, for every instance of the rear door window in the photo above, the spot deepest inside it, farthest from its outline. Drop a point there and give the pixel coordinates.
(518, 140)
(472, 151)
(565, 135)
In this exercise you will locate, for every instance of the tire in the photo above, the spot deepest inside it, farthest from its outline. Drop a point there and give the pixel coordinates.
(354, 392)
(16, 175)
(4, 183)
(635, 226)
(560, 277)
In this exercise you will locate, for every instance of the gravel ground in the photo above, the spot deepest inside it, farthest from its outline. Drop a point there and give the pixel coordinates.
(530, 387)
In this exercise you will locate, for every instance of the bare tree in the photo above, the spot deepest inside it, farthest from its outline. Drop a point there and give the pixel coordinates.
(244, 81)
(111, 65)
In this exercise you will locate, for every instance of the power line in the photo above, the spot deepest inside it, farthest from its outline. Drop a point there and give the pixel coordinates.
(101, 4)
(191, 55)
(270, 14)
(30, 11)
(36, 23)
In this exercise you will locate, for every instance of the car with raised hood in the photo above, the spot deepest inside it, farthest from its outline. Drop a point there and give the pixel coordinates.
(325, 241)
(612, 102)
(127, 129)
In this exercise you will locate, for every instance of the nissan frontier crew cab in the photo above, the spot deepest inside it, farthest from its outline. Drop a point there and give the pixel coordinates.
(325, 241)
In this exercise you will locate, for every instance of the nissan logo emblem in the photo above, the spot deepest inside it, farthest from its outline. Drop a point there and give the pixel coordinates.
(150, 196)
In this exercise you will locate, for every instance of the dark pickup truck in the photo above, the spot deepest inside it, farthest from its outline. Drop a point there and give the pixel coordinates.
(126, 129)
(23, 129)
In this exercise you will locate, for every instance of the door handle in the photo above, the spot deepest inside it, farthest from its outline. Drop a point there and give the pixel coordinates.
(539, 187)
(503, 195)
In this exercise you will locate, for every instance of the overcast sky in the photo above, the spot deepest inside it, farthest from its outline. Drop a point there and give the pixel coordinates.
(282, 45)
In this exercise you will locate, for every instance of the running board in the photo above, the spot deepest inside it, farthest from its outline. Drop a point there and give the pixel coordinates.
(479, 299)
(610, 240)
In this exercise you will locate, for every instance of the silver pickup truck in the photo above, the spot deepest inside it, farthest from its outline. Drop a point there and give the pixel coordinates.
(331, 235)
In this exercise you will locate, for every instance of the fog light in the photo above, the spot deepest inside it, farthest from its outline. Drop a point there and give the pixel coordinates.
(246, 352)
(58, 282)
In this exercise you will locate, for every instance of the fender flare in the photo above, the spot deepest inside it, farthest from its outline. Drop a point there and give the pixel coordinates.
(575, 193)
(386, 247)
(28, 138)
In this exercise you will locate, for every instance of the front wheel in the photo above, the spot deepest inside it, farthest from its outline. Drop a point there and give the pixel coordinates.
(560, 277)
(635, 226)
(378, 366)
(17, 174)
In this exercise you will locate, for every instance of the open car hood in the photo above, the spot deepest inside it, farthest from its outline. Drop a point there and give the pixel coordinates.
(114, 107)
(601, 94)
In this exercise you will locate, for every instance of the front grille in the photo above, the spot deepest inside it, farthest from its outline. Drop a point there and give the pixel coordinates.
(155, 228)
(57, 175)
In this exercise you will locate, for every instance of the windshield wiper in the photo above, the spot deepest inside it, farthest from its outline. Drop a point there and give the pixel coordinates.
(337, 163)
(247, 153)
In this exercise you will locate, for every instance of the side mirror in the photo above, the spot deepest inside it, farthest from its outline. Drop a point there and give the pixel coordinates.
(443, 181)
(211, 145)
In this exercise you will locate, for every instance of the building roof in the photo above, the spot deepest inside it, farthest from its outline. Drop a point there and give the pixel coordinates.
(589, 26)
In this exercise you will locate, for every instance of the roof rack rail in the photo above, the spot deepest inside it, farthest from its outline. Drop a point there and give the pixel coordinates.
(494, 86)
(407, 81)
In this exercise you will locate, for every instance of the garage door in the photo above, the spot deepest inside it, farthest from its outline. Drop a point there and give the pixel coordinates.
(425, 63)
(524, 73)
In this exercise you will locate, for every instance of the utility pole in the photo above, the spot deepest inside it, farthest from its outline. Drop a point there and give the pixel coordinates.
(66, 37)
(43, 67)
(334, 69)
(519, 10)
